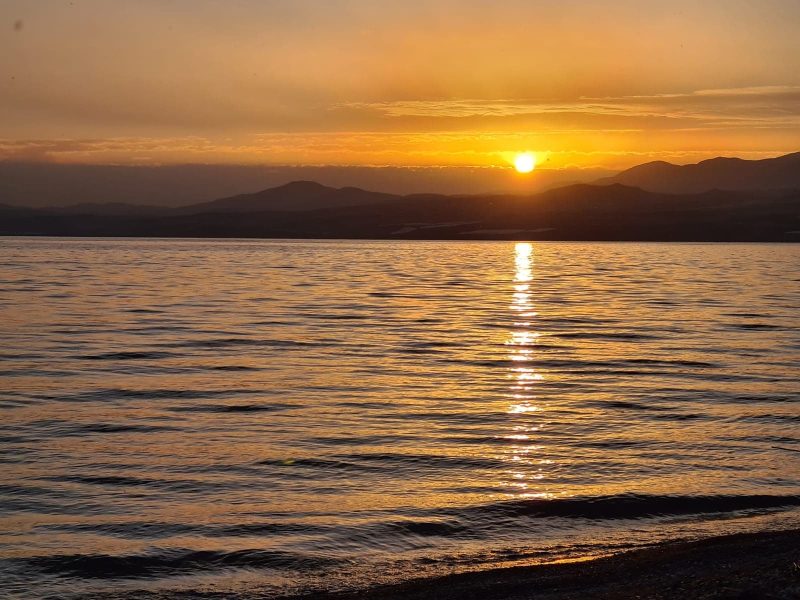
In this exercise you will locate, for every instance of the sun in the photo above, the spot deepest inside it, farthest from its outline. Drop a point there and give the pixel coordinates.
(525, 162)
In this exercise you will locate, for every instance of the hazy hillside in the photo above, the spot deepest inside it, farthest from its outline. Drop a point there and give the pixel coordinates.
(717, 173)
(50, 184)
(294, 196)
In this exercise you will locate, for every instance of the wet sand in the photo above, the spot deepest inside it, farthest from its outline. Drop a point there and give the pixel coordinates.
(762, 566)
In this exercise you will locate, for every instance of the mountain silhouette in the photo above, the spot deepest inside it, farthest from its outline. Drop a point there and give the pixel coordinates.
(778, 173)
(577, 212)
(294, 196)
(722, 199)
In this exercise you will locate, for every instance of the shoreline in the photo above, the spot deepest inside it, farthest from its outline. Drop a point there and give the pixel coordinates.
(401, 238)
(750, 566)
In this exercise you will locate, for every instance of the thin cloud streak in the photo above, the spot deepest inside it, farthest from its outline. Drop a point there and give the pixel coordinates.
(746, 105)
(356, 149)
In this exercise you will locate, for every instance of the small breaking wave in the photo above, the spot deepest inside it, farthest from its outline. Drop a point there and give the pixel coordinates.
(631, 506)
(172, 562)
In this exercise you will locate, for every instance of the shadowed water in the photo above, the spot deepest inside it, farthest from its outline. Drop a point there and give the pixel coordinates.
(274, 416)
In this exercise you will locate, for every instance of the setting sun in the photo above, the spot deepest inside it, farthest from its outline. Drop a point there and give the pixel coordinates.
(525, 162)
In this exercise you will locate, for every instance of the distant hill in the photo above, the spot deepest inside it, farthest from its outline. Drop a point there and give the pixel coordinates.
(107, 208)
(292, 197)
(778, 173)
(576, 212)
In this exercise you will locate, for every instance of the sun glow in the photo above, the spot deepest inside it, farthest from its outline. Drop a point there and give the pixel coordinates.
(525, 162)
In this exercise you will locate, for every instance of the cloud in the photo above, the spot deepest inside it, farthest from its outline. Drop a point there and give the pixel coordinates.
(776, 106)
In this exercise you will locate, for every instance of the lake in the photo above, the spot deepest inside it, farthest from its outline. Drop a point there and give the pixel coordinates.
(263, 416)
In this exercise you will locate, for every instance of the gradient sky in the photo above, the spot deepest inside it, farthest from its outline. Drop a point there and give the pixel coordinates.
(401, 83)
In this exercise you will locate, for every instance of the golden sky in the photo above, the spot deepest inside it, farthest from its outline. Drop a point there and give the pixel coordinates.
(398, 83)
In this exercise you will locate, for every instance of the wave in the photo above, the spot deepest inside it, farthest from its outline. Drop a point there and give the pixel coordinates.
(172, 562)
(486, 521)
(191, 487)
(120, 428)
(614, 336)
(382, 461)
(753, 326)
(630, 506)
(234, 342)
(162, 530)
(231, 408)
(111, 394)
(343, 465)
(126, 356)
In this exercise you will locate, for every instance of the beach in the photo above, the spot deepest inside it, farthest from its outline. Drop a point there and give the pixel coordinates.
(743, 566)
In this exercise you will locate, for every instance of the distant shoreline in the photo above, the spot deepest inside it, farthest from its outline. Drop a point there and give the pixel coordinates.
(406, 239)
(754, 566)
(308, 210)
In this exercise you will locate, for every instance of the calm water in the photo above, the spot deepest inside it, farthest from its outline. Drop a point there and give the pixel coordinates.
(274, 416)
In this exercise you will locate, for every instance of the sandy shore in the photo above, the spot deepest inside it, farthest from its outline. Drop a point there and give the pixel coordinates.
(742, 567)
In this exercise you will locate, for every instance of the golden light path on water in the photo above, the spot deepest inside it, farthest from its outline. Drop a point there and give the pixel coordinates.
(523, 374)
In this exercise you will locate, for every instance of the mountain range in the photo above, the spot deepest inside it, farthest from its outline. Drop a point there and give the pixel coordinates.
(715, 200)
(721, 173)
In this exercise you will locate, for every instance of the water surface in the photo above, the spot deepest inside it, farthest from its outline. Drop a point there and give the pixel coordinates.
(274, 416)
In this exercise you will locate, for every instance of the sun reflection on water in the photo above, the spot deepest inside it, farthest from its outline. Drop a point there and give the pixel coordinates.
(522, 337)
(526, 468)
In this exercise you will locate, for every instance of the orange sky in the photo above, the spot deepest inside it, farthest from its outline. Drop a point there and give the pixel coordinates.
(400, 83)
